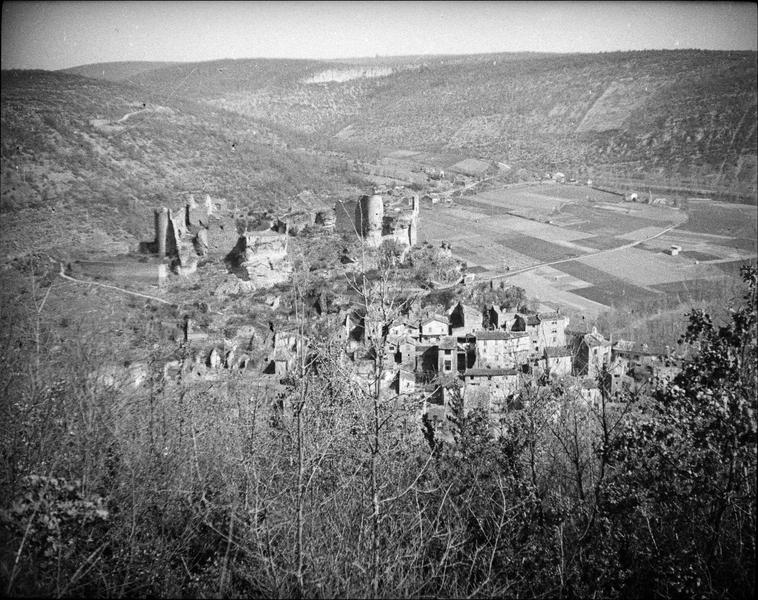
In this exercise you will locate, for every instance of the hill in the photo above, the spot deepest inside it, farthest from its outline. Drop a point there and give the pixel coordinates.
(116, 71)
(685, 117)
(85, 160)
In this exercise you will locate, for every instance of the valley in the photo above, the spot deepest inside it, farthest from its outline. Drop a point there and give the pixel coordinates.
(411, 326)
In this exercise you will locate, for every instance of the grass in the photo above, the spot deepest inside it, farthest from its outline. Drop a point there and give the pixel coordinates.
(585, 272)
(615, 293)
(716, 218)
(603, 242)
(701, 256)
(600, 222)
(536, 248)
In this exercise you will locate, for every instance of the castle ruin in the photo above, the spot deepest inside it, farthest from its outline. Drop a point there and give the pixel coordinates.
(376, 223)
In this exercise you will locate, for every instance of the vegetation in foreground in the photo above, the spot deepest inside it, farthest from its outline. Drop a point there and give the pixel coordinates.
(330, 489)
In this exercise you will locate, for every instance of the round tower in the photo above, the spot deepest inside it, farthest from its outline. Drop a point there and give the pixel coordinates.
(368, 216)
(161, 230)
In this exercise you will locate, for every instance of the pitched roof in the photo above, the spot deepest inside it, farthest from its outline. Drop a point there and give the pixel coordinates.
(595, 339)
(532, 319)
(491, 372)
(499, 335)
(433, 318)
(551, 316)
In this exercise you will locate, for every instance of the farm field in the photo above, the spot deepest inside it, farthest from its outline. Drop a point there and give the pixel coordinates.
(587, 235)
(719, 218)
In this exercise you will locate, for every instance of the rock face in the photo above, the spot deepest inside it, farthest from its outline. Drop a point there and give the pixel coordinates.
(263, 255)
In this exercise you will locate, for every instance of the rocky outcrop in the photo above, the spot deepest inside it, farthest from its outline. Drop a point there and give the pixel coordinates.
(263, 256)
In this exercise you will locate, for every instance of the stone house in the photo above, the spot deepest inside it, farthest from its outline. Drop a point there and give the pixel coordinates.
(489, 389)
(447, 356)
(464, 320)
(546, 330)
(434, 328)
(552, 330)
(558, 361)
(501, 349)
(629, 354)
(405, 382)
(592, 354)
(427, 360)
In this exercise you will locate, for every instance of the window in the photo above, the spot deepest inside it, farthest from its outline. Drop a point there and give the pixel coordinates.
(448, 365)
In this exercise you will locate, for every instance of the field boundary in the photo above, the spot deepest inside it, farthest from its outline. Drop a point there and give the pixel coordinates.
(563, 260)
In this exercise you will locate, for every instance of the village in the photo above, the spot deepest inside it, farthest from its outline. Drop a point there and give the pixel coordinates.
(489, 350)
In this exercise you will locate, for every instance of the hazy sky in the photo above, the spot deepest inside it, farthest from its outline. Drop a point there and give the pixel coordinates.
(55, 35)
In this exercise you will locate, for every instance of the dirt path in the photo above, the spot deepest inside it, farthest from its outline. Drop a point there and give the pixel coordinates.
(131, 114)
(112, 287)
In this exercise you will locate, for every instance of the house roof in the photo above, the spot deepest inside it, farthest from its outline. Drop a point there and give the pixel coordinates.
(448, 343)
(558, 352)
(434, 318)
(595, 339)
(551, 316)
(531, 319)
(402, 339)
(499, 335)
(491, 373)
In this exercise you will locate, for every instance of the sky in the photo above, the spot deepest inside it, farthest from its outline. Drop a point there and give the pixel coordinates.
(57, 35)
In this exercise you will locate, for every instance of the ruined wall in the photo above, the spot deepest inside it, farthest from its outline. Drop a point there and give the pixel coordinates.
(399, 223)
(263, 255)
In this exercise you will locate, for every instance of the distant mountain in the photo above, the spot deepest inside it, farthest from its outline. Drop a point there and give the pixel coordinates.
(86, 159)
(684, 116)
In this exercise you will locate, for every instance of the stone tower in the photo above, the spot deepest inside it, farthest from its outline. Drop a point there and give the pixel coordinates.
(369, 214)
